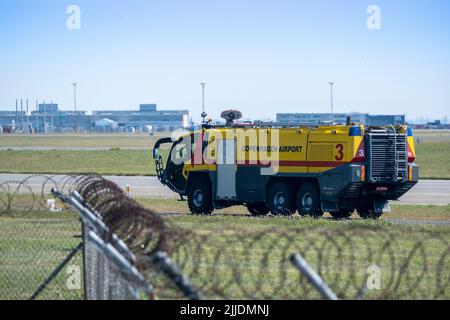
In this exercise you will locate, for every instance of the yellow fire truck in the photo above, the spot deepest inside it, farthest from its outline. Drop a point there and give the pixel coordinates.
(270, 167)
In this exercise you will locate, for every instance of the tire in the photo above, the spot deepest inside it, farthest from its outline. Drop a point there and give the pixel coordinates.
(366, 211)
(258, 208)
(341, 214)
(200, 197)
(308, 201)
(280, 200)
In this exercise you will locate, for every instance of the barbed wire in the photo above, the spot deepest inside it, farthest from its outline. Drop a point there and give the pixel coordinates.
(355, 260)
(32, 192)
(232, 263)
(257, 264)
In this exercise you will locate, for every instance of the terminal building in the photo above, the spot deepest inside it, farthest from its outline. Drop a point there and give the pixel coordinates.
(147, 115)
(49, 118)
(356, 117)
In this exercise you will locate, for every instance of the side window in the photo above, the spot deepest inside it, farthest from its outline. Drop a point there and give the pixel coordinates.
(180, 152)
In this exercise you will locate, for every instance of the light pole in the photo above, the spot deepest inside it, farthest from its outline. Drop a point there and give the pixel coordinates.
(26, 116)
(331, 89)
(51, 110)
(17, 115)
(75, 104)
(37, 117)
(21, 115)
(45, 120)
(74, 97)
(203, 84)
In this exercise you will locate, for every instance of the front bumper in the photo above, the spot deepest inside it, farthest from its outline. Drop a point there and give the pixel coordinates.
(349, 182)
(392, 190)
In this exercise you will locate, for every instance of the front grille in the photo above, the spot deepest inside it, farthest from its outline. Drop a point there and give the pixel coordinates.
(388, 157)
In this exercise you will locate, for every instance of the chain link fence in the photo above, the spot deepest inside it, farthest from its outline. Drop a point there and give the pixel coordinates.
(130, 252)
(104, 280)
(34, 240)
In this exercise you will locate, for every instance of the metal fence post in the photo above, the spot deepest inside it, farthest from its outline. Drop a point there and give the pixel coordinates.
(316, 281)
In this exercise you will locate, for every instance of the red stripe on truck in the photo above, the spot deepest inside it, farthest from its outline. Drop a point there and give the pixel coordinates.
(288, 163)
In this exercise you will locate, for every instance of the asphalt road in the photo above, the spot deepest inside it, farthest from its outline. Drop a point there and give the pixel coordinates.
(140, 186)
(435, 192)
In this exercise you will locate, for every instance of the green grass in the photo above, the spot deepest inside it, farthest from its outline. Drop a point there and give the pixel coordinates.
(229, 233)
(434, 160)
(32, 244)
(250, 249)
(433, 157)
(413, 212)
(432, 135)
(110, 162)
(420, 212)
(142, 141)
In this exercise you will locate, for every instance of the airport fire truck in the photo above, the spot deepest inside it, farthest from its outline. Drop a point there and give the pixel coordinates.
(280, 169)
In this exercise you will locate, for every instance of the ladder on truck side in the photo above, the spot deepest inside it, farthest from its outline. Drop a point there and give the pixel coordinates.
(388, 155)
(401, 155)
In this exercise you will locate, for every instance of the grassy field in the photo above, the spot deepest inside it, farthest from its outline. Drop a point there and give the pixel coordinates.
(343, 265)
(31, 245)
(433, 153)
(434, 159)
(108, 162)
(432, 148)
(412, 212)
(432, 135)
(133, 141)
(419, 212)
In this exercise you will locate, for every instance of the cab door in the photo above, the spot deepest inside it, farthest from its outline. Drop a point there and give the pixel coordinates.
(226, 169)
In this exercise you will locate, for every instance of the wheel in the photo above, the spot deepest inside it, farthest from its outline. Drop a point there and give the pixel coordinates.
(280, 200)
(200, 197)
(366, 211)
(308, 201)
(258, 208)
(341, 214)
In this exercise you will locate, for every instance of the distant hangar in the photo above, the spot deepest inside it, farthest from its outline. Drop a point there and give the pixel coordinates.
(49, 118)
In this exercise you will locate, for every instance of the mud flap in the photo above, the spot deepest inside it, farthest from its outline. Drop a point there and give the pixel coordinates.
(382, 206)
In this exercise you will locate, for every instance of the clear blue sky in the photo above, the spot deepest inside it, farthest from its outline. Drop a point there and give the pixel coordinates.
(261, 57)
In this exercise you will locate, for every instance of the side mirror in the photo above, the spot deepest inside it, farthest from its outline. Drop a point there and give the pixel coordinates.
(158, 144)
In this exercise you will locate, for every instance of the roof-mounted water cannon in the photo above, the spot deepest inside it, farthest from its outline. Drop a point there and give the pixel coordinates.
(230, 116)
